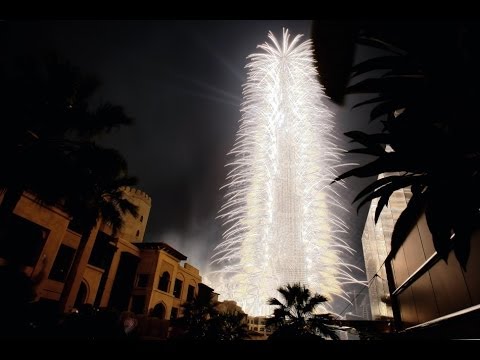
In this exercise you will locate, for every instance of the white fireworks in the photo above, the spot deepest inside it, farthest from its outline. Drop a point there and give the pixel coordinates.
(279, 210)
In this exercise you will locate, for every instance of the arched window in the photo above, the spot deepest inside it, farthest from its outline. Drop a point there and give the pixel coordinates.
(158, 311)
(164, 282)
(141, 218)
(190, 293)
(177, 289)
(138, 232)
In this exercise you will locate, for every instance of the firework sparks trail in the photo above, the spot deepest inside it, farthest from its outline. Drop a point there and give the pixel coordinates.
(279, 209)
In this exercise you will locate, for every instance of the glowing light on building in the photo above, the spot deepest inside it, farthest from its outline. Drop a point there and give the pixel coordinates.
(280, 209)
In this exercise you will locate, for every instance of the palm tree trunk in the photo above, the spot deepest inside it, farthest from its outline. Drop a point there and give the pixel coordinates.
(74, 269)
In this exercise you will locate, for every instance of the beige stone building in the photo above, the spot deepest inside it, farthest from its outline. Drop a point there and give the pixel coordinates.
(162, 284)
(121, 272)
(257, 324)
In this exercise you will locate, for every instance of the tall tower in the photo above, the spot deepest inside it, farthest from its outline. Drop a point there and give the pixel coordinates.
(133, 229)
(280, 210)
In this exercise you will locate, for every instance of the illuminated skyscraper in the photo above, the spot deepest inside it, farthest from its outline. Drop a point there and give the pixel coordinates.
(280, 211)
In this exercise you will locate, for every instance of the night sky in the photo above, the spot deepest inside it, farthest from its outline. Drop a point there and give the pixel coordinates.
(181, 81)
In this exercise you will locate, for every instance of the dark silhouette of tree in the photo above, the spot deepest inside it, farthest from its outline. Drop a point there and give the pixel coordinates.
(201, 320)
(197, 315)
(100, 174)
(46, 112)
(425, 88)
(19, 288)
(295, 316)
(48, 147)
(228, 326)
(18, 295)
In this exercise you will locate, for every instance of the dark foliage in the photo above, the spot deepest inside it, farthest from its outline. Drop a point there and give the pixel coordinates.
(424, 90)
(295, 317)
(47, 147)
(202, 321)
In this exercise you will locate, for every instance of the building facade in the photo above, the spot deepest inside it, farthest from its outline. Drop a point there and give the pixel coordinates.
(430, 295)
(119, 272)
(162, 284)
(376, 240)
(425, 294)
(258, 325)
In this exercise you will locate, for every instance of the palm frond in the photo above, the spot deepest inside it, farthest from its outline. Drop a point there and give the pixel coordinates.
(293, 318)
(127, 207)
(380, 44)
(406, 221)
(274, 301)
(313, 302)
(111, 216)
(378, 63)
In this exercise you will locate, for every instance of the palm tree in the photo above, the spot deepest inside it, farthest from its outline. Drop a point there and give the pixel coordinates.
(228, 326)
(99, 175)
(46, 116)
(296, 317)
(425, 86)
(48, 149)
(197, 315)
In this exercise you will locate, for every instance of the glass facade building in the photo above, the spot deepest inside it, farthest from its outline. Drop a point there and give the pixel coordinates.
(376, 240)
(416, 286)
(424, 287)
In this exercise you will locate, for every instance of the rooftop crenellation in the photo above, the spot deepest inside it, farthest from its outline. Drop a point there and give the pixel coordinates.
(137, 193)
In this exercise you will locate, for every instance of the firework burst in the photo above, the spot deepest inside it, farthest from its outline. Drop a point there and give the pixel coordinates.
(280, 209)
